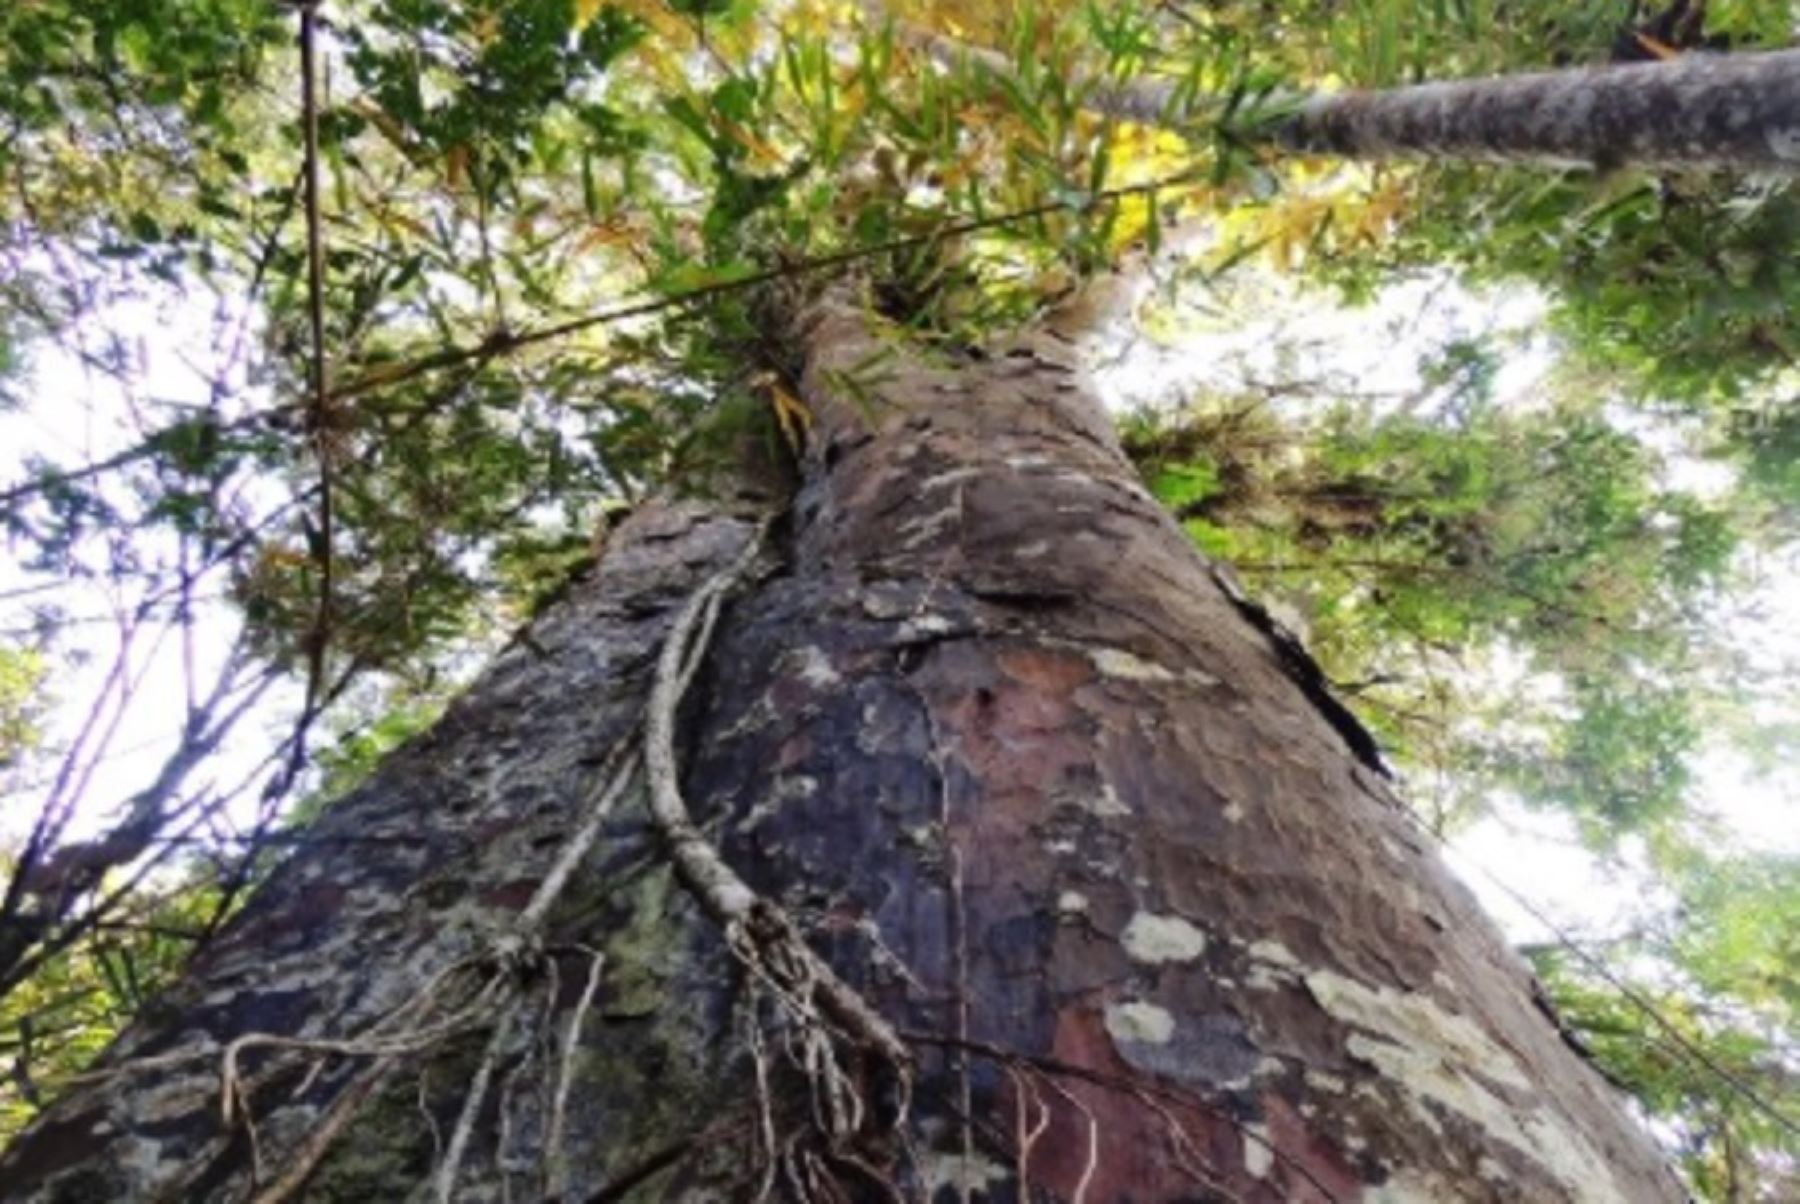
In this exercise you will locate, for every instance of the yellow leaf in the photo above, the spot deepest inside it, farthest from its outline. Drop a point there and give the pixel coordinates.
(795, 419)
(613, 232)
(585, 11)
(456, 165)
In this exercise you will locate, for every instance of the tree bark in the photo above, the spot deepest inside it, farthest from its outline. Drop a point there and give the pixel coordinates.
(1694, 111)
(994, 739)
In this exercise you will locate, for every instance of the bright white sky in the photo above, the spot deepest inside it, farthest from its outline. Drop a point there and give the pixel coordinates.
(1376, 349)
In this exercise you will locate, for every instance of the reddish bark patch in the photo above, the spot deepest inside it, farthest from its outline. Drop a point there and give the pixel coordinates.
(509, 896)
(1307, 1167)
(1044, 670)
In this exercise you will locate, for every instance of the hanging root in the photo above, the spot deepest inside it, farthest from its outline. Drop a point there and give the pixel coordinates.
(829, 1021)
(444, 1182)
(556, 1166)
(828, 1032)
(1158, 1098)
(485, 991)
(324, 1134)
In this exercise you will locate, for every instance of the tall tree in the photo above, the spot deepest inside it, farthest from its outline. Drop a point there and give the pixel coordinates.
(907, 809)
(1115, 898)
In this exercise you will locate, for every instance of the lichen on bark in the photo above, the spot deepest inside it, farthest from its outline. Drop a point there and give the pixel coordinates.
(1018, 769)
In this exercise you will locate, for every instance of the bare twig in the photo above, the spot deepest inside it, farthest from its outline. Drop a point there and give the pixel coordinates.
(1696, 1056)
(319, 415)
(504, 342)
(444, 1182)
(556, 1181)
(616, 774)
(344, 1109)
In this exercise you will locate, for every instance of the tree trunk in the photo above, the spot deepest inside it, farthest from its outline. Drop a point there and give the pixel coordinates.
(993, 737)
(1699, 110)
(1695, 111)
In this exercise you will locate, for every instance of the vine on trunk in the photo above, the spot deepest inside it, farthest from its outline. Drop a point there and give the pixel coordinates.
(833, 1035)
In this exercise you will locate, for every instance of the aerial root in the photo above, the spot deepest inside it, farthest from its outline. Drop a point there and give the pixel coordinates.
(481, 992)
(1026, 1130)
(829, 1024)
(830, 1034)
(1158, 1098)
(556, 1168)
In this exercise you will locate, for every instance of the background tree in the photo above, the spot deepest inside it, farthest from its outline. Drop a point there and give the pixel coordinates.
(496, 174)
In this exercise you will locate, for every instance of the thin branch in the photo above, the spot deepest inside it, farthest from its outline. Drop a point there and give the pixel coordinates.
(1698, 1056)
(503, 342)
(319, 418)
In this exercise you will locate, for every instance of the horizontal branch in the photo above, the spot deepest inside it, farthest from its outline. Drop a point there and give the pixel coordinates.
(1698, 110)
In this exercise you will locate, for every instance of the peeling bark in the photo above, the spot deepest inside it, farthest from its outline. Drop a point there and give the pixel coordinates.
(1022, 772)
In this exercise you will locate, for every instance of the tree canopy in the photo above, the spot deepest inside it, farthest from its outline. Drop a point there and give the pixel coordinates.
(544, 232)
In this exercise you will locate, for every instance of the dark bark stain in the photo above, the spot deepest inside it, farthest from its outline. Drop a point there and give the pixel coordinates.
(1305, 672)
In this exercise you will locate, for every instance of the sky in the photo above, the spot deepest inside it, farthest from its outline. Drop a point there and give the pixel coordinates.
(1525, 866)
(74, 416)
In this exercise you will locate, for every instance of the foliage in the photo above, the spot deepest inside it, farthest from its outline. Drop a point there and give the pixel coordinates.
(21, 702)
(1723, 982)
(1414, 548)
(542, 222)
(77, 1001)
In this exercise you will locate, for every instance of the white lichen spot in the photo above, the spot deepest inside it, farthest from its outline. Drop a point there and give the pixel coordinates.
(1072, 903)
(755, 717)
(1156, 939)
(926, 527)
(1258, 1156)
(790, 788)
(816, 668)
(1267, 1067)
(926, 625)
(1784, 141)
(1319, 1080)
(1020, 463)
(1116, 662)
(1032, 550)
(1061, 847)
(1234, 813)
(1434, 1034)
(1437, 1061)
(1272, 965)
(1138, 1023)
(1106, 805)
(966, 1174)
(1273, 953)
(951, 477)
